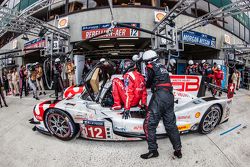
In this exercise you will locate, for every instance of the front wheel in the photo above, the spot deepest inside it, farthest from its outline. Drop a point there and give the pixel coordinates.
(210, 119)
(60, 124)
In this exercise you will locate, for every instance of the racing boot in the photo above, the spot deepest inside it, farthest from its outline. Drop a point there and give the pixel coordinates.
(150, 154)
(178, 153)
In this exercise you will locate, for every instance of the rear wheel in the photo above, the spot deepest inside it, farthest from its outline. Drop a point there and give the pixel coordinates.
(60, 124)
(210, 119)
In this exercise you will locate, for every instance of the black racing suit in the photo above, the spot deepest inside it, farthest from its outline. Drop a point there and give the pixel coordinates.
(172, 69)
(58, 82)
(160, 106)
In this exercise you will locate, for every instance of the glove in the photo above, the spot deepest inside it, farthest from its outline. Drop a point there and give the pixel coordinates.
(143, 110)
(126, 114)
(143, 107)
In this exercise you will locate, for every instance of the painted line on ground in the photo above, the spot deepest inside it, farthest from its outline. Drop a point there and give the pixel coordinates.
(230, 130)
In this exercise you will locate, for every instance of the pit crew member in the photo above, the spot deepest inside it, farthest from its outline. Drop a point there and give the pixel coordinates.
(70, 70)
(218, 77)
(137, 59)
(131, 91)
(190, 70)
(172, 66)
(39, 79)
(58, 83)
(160, 106)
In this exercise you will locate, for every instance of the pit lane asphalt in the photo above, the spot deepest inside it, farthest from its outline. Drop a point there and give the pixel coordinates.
(21, 147)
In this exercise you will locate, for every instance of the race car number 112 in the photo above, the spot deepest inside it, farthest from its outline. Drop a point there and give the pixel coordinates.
(96, 132)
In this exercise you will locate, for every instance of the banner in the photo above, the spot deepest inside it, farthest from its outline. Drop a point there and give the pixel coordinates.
(118, 32)
(36, 43)
(198, 38)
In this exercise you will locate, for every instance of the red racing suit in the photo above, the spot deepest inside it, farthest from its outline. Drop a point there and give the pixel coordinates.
(130, 91)
(218, 77)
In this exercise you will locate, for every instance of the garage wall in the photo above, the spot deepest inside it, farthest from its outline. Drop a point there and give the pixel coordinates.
(144, 16)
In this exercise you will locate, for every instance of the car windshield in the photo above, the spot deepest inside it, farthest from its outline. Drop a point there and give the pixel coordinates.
(96, 79)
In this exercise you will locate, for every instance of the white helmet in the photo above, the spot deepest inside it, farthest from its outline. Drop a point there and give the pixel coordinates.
(172, 62)
(102, 60)
(203, 61)
(57, 60)
(149, 55)
(219, 67)
(190, 62)
(136, 58)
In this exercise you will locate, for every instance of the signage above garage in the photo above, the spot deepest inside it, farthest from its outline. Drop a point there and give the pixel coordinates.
(198, 38)
(35, 43)
(118, 32)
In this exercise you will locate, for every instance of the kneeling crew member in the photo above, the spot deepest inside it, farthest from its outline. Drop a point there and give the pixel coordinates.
(161, 105)
(130, 91)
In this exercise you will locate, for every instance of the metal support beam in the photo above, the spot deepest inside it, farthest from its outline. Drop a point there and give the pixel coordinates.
(9, 17)
(218, 14)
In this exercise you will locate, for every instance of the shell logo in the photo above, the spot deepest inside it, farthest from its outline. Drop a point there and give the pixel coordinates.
(159, 16)
(63, 22)
(227, 39)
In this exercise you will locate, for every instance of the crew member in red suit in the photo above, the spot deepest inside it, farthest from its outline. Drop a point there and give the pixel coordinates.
(218, 77)
(131, 91)
(190, 68)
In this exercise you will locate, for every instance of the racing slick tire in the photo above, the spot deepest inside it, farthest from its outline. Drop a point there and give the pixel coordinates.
(210, 119)
(60, 124)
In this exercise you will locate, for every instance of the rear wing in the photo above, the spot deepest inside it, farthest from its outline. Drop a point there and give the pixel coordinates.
(229, 91)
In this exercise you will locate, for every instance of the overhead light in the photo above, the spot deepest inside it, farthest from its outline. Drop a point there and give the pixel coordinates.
(126, 38)
(104, 39)
(106, 46)
(126, 45)
(25, 37)
(114, 53)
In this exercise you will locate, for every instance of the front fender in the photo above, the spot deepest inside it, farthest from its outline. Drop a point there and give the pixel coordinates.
(40, 108)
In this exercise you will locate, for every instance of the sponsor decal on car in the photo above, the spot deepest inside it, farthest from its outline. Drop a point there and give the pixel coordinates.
(184, 117)
(186, 83)
(181, 94)
(95, 129)
(138, 128)
(184, 127)
(120, 129)
(70, 104)
(95, 123)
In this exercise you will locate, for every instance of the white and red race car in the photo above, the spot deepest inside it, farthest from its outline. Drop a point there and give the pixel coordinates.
(85, 111)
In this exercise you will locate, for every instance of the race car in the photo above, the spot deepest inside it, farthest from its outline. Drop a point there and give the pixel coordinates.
(86, 111)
